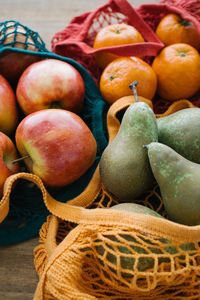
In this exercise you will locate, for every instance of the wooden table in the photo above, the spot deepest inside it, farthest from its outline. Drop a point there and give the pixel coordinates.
(18, 278)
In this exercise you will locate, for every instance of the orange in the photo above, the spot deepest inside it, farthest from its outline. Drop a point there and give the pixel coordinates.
(178, 71)
(173, 29)
(112, 35)
(121, 72)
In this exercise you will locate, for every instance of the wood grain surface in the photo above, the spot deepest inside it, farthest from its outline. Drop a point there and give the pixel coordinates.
(18, 278)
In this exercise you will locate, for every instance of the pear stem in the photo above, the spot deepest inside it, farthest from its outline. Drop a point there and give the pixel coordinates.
(132, 86)
(19, 159)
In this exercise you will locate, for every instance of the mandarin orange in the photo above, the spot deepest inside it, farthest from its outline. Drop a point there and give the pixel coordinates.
(112, 35)
(121, 72)
(178, 71)
(173, 29)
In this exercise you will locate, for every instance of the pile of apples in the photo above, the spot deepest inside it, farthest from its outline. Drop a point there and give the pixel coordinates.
(41, 124)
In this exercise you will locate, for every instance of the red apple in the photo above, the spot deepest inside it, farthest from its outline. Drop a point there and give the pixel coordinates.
(59, 144)
(50, 83)
(12, 63)
(8, 154)
(8, 107)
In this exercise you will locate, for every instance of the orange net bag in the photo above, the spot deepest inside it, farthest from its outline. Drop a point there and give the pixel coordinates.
(88, 251)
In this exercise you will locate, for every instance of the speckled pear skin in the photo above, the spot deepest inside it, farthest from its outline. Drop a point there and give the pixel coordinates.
(179, 182)
(124, 166)
(181, 131)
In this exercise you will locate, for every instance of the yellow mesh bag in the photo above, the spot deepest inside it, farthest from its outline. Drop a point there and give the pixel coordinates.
(98, 253)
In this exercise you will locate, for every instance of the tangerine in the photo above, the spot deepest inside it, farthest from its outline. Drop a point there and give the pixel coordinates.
(173, 29)
(121, 72)
(112, 35)
(178, 71)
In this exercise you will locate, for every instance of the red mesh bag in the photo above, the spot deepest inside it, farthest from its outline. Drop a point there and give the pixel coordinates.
(76, 39)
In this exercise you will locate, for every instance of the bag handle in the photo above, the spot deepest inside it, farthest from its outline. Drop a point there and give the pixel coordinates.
(97, 216)
(55, 207)
(137, 21)
(175, 106)
(138, 49)
(113, 123)
(130, 12)
(59, 209)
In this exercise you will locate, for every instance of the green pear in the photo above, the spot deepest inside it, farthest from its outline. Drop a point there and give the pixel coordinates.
(181, 131)
(179, 182)
(127, 262)
(142, 246)
(124, 166)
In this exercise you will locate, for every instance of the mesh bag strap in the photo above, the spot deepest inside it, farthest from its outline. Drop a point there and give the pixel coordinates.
(113, 122)
(137, 21)
(81, 215)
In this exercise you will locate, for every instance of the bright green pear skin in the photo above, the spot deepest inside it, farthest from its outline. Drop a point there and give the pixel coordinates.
(124, 167)
(179, 182)
(181, 131)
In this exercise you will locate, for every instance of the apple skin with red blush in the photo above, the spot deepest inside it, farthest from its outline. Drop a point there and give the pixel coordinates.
(50, 83)
(8, 154)
(60, 146)
(8, 107)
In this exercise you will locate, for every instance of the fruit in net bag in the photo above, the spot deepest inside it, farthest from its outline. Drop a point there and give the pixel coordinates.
(57, 146)
(177, 68)
(179, 182)
(50, 83)
(13, 63)
(124, 167)
(174, 29)
(121, 72)
(112, 35)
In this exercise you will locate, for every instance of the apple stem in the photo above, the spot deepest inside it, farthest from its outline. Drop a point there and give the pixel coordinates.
(19, 159)
(132, 86)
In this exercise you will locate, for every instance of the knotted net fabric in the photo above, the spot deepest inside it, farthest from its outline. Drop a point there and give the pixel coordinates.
(88, 251)
(100, 254)
(16, 35)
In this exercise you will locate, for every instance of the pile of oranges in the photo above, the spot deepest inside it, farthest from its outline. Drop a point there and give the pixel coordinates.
(172, 75)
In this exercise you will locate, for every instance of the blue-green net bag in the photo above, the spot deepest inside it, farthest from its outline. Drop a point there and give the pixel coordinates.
(27, 212)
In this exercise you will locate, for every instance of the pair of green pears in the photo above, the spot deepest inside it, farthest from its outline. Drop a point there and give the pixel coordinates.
(167, 150)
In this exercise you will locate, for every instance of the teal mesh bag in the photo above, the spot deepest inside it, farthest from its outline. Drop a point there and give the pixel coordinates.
(27, 211)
